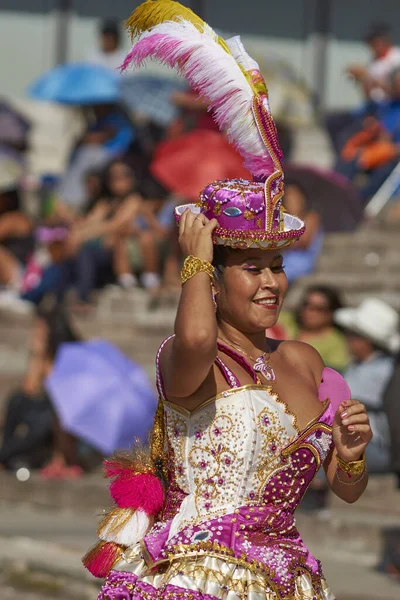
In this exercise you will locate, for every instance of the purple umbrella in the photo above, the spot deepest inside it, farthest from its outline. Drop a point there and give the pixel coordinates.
(13, 127)
(100, 395)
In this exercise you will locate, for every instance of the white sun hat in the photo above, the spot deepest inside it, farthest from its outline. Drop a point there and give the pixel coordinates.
(374, 319)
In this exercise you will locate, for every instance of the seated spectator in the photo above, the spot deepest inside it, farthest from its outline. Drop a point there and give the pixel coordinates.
(99, 241)
(373, 81)
(300, 259)
(44, 272)
(31, 433)
(152, 235)
(109, 137)
(373, 337)
(314, 324)
(15, 226)
(374, 151)
(94, 187)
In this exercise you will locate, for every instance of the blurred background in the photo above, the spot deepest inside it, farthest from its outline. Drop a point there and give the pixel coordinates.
(92, 164)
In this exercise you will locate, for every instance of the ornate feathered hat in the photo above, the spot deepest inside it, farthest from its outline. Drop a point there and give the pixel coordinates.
(249, 213)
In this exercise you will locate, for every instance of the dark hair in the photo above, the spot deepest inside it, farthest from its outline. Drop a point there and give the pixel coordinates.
(107, 172)
(331, 294)
(92, 173)
(110, 27)
(292, 179)
(376, 31)
(285, 137)
(221, 255)
(60, 330)
(150, 189)
(10, 200)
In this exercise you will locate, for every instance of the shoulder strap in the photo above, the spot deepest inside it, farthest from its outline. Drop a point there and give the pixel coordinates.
(159, 381)
(228, 374)
(239, 359)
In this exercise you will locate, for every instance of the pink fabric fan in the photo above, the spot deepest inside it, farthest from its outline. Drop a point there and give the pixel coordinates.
(334, 387)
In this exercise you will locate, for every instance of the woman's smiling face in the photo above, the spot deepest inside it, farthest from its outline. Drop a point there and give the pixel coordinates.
(251, 291)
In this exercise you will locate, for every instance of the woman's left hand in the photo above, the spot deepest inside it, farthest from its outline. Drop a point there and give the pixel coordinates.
(351, 430)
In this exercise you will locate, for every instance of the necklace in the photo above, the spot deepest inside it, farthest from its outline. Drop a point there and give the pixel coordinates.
(261, 365)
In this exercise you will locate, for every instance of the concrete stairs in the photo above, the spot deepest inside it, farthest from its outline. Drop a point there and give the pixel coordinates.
(360, 264)
(350, 527)
(348, 538)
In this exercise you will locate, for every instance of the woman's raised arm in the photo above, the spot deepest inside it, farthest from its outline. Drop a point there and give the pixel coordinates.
(187, 359)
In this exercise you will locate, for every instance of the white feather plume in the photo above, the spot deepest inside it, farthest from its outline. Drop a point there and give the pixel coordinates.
(124, 526)
(213, 73)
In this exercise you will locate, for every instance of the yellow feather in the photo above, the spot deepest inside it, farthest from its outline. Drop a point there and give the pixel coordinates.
(154, 12)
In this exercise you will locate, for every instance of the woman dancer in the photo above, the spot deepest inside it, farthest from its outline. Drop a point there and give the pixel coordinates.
(240, 431)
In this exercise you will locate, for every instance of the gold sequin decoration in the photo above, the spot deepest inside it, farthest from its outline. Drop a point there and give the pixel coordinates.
(176, 429)
(275, 438)
(216, 458)
(217, 209)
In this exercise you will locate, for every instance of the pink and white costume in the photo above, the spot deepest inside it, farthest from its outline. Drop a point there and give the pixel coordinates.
(239, 467)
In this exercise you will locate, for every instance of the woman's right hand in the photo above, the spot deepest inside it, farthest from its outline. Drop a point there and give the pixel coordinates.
(195, 235)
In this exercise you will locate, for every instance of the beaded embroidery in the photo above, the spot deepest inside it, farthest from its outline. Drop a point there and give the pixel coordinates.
(216, 457)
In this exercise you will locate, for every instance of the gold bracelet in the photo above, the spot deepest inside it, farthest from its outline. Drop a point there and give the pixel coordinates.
(193, 265)
(351, 482)
(354, 467)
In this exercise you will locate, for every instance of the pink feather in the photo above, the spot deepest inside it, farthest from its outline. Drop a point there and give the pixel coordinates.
(215, 75)
(117, 468)
(257, 165)
(141, 491)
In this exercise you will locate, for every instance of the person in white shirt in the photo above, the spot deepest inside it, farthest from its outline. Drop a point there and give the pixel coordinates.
(374, 78)
(109, 53)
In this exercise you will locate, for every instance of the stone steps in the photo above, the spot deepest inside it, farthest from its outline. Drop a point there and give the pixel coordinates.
(360, 264)
(356, 527)
(311, 146)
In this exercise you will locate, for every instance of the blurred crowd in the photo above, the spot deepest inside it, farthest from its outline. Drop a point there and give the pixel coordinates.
(109, 220)
(366, 140)
(148, 145)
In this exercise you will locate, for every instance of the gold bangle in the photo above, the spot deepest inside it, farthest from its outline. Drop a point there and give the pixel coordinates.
(354, 467)
(193, 265)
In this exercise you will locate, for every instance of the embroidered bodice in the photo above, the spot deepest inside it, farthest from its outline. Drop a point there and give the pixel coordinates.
(232, 451)
(239, 451)
(239, 467)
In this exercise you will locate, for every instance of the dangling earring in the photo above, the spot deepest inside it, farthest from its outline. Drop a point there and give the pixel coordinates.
(214, 296)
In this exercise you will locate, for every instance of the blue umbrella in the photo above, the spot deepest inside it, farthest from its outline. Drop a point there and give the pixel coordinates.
(100, 395)
(77, 84)
(150, 95)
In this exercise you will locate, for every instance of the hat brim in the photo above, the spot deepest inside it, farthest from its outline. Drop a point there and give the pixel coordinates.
(347, 319)
(293, 229)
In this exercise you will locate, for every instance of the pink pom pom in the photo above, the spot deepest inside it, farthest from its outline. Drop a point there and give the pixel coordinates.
(140, 492)
(334, 387)
(116, 468)
(101, 558)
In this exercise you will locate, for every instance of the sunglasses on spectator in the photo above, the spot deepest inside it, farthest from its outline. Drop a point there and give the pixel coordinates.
(316, 307)
(122, 175)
